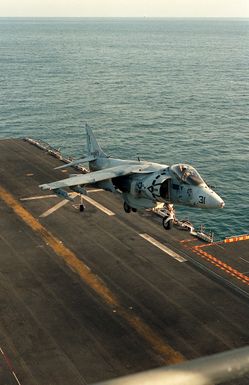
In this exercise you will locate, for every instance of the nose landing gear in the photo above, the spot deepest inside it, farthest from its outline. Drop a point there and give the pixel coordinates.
(169, 218)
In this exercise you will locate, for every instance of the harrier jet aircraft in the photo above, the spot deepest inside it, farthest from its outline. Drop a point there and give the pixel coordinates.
(143, 184)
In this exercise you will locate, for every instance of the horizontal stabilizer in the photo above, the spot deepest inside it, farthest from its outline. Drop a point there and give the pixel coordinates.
(78, 161)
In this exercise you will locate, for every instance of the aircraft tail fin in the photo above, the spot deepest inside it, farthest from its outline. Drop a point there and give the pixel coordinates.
(93, 148)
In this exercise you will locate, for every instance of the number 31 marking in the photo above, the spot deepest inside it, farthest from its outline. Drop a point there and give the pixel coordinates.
(202, 199)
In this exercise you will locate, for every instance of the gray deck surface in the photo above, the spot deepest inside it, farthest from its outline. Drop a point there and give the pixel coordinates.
(83, 297)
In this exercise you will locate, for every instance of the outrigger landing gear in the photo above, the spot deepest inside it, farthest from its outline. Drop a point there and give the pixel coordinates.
(82, 207)
(168, 220)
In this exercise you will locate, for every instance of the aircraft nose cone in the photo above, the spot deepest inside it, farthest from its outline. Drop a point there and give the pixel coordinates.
(222, 204)
(215, 200)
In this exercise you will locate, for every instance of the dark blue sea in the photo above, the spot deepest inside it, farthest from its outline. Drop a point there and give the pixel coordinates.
(170, 90)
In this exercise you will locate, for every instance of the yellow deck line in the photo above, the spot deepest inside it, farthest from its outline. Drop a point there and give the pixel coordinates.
(169, 355)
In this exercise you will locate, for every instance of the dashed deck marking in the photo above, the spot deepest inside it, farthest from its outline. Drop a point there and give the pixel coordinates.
(240, 238)
(187, 240)
(210, 244)
(169, 355)
(98, 205)
(221, 265)
(162, 247)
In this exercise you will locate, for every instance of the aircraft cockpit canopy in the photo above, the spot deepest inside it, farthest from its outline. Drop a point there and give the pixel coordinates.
(187, 174)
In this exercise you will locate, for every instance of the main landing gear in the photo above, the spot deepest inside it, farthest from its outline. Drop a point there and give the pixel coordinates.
(128, 208)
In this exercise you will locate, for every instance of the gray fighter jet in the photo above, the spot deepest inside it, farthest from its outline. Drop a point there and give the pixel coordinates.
(143, 184)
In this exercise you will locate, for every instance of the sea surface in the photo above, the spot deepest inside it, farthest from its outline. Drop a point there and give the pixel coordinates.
(168, 90)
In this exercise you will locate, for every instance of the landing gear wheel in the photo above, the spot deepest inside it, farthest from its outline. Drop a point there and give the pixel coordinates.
(127, 208)
(167, 223)
(134, 210)
(82, 208)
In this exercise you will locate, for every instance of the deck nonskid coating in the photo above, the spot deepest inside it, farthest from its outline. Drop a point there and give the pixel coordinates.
(55, 327)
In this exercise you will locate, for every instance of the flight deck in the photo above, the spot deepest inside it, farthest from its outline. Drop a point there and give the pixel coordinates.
(89, 296)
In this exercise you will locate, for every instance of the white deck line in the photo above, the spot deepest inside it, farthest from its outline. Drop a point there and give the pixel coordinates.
(54, 208)
(95, 190)
(162, 247)
(39, 197)
(10, 366)
(56, 196)
(98, 205)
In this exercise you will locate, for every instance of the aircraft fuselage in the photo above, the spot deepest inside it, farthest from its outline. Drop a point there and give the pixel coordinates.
(163, 183)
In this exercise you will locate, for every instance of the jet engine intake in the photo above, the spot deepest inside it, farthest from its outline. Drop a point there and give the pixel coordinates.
(157, 187)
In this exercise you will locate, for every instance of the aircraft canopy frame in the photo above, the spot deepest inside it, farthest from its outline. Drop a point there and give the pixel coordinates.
(187, 174)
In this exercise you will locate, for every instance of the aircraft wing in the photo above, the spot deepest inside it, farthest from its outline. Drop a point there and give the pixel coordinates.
(97, 176)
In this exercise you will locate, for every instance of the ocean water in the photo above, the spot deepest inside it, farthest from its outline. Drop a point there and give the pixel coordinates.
(170, 90)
